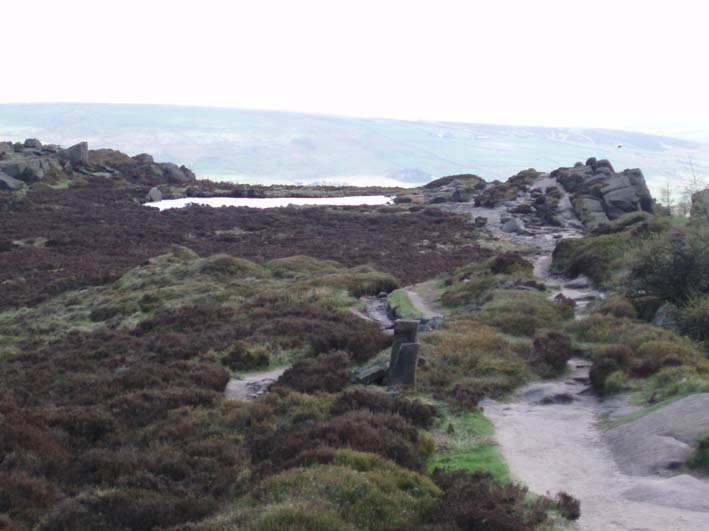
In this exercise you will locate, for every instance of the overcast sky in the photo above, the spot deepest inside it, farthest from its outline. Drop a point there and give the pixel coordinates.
(625, 64)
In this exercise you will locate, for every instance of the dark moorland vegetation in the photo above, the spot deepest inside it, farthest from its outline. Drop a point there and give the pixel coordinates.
(57, 240)
(118, 340)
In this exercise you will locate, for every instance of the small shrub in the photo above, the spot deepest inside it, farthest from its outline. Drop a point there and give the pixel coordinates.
(418, 413)
(230, 266)
(476, 501)
(617, 307)
(554, 349)
(467, 361)
(693, 318)
(606, 362)
(510, 264)
(672, 265)
(367, 491)
(700, 458)
(390, 436)
(304, 516)
(569, 507)
(652, 356)
(329, 374)
(245, 357)
(676, 381)
(89, 423)
(522, 313)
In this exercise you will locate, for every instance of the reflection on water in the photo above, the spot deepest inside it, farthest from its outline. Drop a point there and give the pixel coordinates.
(271, 202)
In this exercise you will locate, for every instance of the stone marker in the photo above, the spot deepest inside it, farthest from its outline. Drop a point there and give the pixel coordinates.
(404, 332)
(403, 372)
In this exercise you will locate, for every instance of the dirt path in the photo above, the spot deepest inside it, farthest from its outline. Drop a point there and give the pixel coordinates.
(423, 298)
(253, 385)
(550, 432)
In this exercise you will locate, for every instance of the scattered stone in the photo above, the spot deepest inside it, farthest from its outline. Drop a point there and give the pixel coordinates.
(666, 316)
(144, 158)
(480, 221)
(547, 393)
(9, 183)
(513, 225)
(154, 194)
(458, 196)
(33, 143)
(522, 209)
(176, 174)
(559, 398)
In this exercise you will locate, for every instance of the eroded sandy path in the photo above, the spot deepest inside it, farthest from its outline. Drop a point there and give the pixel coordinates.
(251, 386)
(551, 435)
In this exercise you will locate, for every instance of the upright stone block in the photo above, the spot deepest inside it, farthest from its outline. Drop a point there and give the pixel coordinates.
(404, 332)
(78, 154)
(404, 371)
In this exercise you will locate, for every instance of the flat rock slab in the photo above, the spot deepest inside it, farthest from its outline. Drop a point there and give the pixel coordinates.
(683, 492)
(660, 441)
(250, 387)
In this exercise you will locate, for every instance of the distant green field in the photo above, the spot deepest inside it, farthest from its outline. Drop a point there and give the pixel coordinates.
(263, 147)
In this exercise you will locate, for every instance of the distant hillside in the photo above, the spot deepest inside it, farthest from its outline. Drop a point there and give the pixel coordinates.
(280, 147)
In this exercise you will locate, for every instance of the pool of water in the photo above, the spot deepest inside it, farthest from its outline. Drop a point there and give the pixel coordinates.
(272, 202)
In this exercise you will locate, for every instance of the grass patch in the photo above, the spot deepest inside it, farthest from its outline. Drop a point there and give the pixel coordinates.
(401, 305)
(465, 441)
(468, 360)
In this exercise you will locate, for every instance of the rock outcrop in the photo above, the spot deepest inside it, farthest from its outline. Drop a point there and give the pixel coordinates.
(599, 194)
(30, 162)
(661, 441)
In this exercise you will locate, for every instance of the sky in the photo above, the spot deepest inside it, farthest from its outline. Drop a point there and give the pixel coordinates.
(637, 65)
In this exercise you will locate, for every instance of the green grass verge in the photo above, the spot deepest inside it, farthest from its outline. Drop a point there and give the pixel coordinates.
(468, 446)
(401, 305)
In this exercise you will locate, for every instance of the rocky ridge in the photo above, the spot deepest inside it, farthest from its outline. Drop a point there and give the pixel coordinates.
(31, 162)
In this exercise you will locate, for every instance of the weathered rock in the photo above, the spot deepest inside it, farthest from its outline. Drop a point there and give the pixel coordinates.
(666, 316)
(78, 154)
(660, 441)
(603, 163)
(154, 194)
(143, 158)
(9, 183)
(683, 491)
(599, 194)
(32, 143)
(176, 174)
(590, 210)
(372, 374)
(513, 225)
(480, 221)
(458, 196)
(547, 393)
(403, 371)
